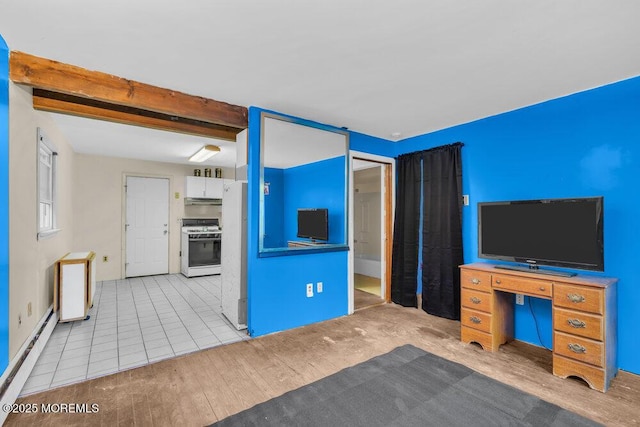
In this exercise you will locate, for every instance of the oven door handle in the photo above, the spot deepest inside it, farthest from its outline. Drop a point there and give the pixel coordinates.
(205, 239)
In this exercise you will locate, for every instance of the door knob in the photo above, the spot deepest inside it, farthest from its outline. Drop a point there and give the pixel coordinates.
(165, 231)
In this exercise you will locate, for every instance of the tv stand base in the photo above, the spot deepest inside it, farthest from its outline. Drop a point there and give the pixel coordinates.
(537, 270)
(304, 244)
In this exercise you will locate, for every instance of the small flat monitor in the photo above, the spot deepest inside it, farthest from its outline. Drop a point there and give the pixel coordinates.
(313, 223)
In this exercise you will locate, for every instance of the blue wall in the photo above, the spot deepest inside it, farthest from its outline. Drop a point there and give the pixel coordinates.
(587, 144)
(4, 205)
(276, 286)
(372, 145)
(316, 185)
(274, 209)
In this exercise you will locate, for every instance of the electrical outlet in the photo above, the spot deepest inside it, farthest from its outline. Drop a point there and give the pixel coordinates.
(105, 258)
(176, 195)
(319, 287)
(309, 290)
(465, 199)
(519, 299)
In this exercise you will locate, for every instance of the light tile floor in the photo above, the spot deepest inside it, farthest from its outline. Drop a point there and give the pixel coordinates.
(134, 322)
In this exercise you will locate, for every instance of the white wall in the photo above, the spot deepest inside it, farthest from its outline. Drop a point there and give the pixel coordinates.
(99, 208)
(31, 261)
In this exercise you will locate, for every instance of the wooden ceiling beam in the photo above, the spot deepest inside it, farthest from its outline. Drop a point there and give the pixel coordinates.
(66, 104)
(68, 79)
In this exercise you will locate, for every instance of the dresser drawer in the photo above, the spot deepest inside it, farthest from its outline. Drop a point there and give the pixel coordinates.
(476, 300)
(518, 285)
(578, 323)
(478, 280)
(475, 319)
(582, 349)
(580, 298)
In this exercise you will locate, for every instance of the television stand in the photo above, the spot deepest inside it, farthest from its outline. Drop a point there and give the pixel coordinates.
(304, 244)
(583, 310)
(535, 269)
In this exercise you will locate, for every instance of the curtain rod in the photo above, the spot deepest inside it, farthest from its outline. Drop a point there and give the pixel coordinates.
(440, 147)
(455, 144)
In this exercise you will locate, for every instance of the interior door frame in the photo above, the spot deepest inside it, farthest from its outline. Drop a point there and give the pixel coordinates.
(387, 217)
(123, 218)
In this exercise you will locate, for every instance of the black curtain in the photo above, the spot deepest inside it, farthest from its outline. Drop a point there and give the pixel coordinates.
(404, 264)
(442, 230)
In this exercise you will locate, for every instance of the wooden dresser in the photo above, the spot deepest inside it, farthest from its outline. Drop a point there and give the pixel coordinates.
(584, 317)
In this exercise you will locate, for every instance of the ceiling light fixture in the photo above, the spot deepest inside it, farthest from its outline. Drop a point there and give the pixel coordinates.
(204, 153)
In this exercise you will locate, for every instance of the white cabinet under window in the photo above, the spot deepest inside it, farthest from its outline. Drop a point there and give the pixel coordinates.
(201, 187)
(74, 285)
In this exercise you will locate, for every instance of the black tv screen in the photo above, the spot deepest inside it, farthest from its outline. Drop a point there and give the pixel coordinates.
(556, 232)
(313, 223)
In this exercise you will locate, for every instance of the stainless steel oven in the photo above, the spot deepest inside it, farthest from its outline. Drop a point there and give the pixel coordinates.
(201, 247)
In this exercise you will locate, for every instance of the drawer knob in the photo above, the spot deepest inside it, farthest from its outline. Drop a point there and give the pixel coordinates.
(541, 288)
(577, 348)
(576, 323)
(476, 300)
(475, 320)
(498, 281)
(475, 281)
(577, 298)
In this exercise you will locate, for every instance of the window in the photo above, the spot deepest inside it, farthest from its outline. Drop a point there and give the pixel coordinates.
(46, 186)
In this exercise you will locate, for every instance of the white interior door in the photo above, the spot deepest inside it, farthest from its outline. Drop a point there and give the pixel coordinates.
(367, 222)
(147, 226)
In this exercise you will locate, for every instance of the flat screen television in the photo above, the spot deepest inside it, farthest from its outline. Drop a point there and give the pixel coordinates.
(556, 232)
(313, 223)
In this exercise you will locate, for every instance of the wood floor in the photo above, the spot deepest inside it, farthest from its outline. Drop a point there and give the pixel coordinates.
(209, 385)
(362, 299)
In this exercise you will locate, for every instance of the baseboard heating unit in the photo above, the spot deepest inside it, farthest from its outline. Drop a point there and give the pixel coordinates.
(18, 371)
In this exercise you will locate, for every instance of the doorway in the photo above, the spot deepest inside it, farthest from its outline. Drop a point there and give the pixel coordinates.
(146, 226)
(371, 204)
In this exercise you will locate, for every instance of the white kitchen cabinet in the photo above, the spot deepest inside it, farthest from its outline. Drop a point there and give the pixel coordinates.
(74, 285)
(194, 186)
(201, 187)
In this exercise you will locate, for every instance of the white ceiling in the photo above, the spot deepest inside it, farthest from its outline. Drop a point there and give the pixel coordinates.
(374, 66)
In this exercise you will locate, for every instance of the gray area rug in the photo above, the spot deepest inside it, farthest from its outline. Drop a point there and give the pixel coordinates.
(406, 387)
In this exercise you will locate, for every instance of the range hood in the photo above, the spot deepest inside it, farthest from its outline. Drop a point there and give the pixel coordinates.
(202, 201)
